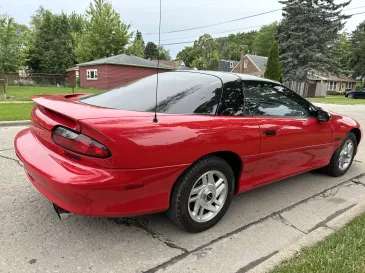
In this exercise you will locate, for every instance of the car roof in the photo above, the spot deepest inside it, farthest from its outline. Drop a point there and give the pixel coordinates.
(229, 76)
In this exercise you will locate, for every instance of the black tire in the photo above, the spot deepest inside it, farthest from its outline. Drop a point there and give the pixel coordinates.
(333, 168)
(178, 211)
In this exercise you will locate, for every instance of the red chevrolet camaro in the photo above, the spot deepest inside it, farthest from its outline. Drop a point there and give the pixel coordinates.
(216, 135)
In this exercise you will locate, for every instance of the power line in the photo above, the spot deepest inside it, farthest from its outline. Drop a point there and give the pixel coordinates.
(187, 42)
(216, 24)
(234, 20)
(213, 33)
(178, 43)
(355, 14)
(355, 8)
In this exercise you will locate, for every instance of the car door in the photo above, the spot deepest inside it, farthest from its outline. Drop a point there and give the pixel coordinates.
(241, 132)
(292, 139)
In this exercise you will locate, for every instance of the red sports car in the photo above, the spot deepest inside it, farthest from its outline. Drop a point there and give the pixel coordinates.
(216, 135)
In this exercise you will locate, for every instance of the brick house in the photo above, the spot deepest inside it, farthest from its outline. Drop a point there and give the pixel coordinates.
(114, 71)
(249, 64)
(73, 74)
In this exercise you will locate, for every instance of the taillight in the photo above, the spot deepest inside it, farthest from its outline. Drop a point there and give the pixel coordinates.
(79, 143)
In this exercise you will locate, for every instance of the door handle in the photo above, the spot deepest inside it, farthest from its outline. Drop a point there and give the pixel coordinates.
(270, 133)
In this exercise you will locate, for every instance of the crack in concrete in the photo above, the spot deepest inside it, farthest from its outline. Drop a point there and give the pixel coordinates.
(332, 216)
(8, 149)
(256, 263)
(357, 182)
(281, 219)
(240, 229)
(330, 193)
(144, 227)
(15, 160)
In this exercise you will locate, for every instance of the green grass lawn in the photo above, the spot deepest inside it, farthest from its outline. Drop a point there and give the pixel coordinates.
(337, 100)
(343, 251)
(23, 93)
(15, 111)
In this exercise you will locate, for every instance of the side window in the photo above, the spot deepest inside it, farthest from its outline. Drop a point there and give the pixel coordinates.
(268, 99)
(232, 100)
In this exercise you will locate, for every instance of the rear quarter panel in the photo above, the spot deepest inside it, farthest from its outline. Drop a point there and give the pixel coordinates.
(138, 142)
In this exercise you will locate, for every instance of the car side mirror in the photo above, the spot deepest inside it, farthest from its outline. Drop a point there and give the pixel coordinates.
(323, 115)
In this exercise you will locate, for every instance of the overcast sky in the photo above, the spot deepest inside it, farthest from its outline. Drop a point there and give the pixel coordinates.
(143, 15)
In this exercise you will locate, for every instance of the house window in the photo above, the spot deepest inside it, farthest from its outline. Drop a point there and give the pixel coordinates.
(245, 64)
(92, 74)
(349, 85)
(332, 86)
(231, 65)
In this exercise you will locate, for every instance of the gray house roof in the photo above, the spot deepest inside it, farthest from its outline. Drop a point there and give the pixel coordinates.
(259, 61)
(124, 59)
(225, 65)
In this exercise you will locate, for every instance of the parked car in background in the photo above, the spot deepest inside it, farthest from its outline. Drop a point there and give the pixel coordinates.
(216, 135)
(360, 94)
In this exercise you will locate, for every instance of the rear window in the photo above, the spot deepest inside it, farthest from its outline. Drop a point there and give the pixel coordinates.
(178, 93)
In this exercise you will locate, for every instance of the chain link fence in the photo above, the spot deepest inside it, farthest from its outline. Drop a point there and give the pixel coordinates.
(22, 85)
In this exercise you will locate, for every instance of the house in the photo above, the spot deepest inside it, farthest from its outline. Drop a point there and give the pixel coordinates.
(227, 65)
(249, 64)
(337, 83)
(114, 71)
(176, 64)
(319, 84)
(73, 74)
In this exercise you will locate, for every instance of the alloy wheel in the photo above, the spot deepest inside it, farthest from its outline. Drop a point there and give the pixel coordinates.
(346, 155)
(208, 196)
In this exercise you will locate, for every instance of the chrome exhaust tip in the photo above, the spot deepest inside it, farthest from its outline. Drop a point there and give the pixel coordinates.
(62, 213)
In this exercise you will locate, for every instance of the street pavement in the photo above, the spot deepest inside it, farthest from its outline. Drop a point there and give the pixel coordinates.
(258, 224)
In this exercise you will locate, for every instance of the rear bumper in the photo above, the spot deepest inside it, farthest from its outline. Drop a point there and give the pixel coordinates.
(91, 191)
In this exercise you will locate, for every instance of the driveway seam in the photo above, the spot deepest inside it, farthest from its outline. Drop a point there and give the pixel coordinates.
(255, 263)
(145, 228)
(240, 229)
(331, 217)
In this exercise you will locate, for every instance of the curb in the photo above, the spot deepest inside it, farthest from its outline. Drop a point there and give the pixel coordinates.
(15, 123)
(310, 239)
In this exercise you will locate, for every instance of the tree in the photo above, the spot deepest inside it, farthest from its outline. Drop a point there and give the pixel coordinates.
(12, 44)
(140, 37)
(342, 54)
(151, 51)
(37, 18)
(51, 49)
(77, 23)
(230, 47)
(273, 68)
(358, 53)
(264, 40)
(207, 55)
(105, 35)
(163, 53)
(306, 36)
(137, 47)
(187, 55)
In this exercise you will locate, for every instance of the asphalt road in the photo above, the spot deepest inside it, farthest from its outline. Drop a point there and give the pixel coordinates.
(258, 224)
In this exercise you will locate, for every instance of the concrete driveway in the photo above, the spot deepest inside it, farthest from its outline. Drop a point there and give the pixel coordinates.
(258, 224)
